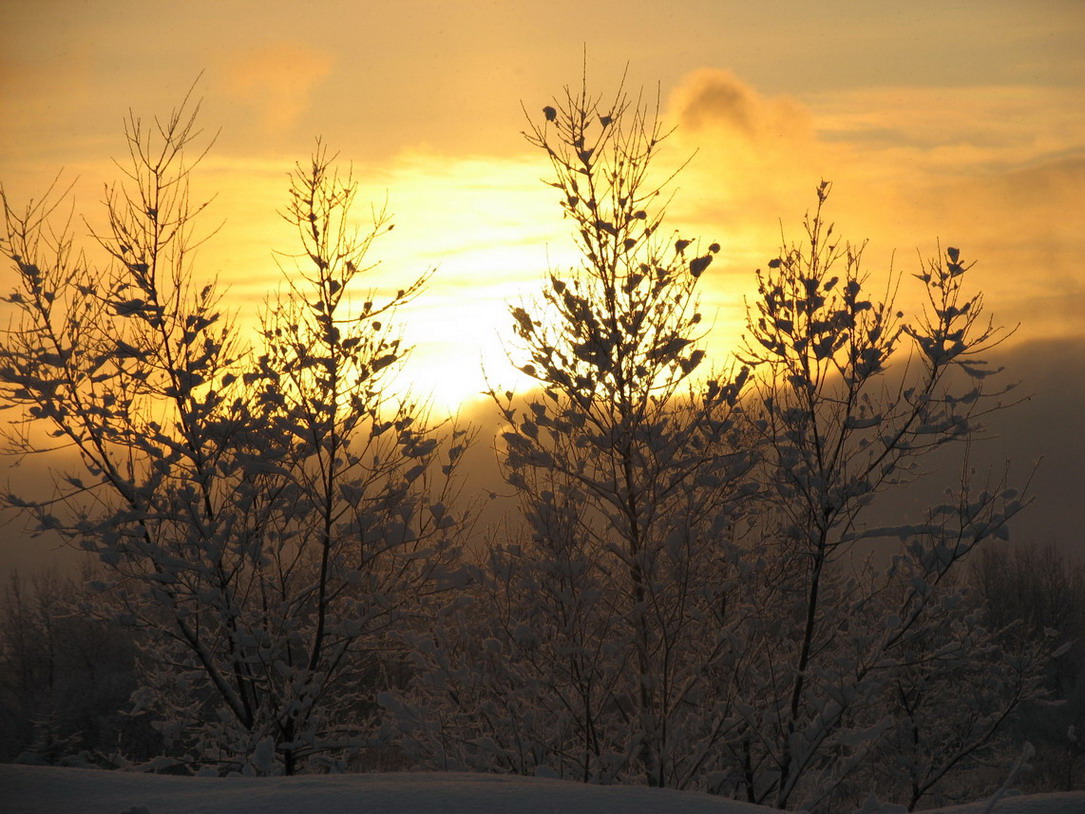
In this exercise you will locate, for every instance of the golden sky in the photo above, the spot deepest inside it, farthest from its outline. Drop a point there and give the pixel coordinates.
(958, 122)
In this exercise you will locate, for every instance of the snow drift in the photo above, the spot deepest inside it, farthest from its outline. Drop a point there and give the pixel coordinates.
(50, 790)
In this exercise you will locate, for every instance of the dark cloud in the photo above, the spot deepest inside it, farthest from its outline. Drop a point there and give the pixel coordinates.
(1042, 439)
(1035, 442)
(719, 99)
(716, 99)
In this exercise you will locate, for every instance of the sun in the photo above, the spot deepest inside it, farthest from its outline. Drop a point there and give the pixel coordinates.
(460, 332)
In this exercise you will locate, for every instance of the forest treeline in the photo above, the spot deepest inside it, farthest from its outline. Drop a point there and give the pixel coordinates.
(292, 574)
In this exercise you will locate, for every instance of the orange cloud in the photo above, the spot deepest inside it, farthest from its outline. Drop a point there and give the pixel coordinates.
(755, 160)
(753, 153)
(277, 80)
(995, 170)
(716, 99)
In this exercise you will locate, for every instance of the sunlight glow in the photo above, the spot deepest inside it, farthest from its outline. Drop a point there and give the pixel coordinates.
(490, 229)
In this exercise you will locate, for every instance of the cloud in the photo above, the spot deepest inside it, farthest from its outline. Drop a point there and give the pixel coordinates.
(752, 151)
(1037, 439)
(1020, 223)
(755, 160)
(277, 80)
(998, 171)
(714, 99)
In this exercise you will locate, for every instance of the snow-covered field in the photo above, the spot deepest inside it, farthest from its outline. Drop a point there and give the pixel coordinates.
(48, 790)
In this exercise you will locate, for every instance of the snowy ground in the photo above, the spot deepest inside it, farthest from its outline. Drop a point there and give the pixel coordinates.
(47, 790)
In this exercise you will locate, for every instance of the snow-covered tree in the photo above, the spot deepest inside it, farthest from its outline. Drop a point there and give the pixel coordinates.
(605, 618)
(691, 603)
(526, 678)
(835, 432)
(268, 512)
(643, 460)
(1032, 592)
(687, 600)
(65, 676)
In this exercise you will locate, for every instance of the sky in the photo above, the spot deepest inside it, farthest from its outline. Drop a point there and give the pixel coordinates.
(956, 123)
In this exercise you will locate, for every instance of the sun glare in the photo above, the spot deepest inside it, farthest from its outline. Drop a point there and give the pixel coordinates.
(460, 329)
